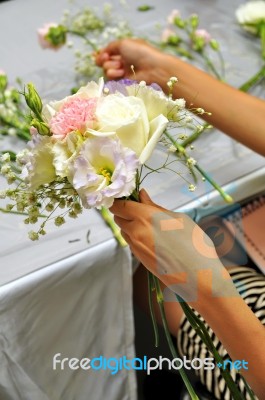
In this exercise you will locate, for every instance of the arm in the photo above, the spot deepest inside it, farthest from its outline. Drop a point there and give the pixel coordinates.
(237, 114)
(188, 269)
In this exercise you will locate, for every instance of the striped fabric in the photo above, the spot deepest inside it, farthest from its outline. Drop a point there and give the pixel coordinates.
(251, 286)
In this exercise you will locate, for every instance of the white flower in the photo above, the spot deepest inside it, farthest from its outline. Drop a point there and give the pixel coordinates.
(39, 168)
(251, 14)
(64, 151)
(127, 117)
(103, 170)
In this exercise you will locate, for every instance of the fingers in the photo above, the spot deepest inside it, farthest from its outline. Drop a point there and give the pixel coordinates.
(124, 224)
(112, 65)
(125, 209)
(114, 73)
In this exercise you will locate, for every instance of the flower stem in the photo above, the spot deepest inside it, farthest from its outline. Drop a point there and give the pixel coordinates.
(151, 288)
(89, 42)
(262, 36)
(181, 151)
(108, 218)
(224, 195)
(211, 66)
(194, 135)
(19, 213)
(160, 301)
(253, 80)
(199, 327)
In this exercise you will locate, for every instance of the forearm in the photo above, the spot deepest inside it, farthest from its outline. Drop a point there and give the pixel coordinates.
(242, 335)
(237, 114)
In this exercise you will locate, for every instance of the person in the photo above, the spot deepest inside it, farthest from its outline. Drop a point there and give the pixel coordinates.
(186, 261)
(231, 110)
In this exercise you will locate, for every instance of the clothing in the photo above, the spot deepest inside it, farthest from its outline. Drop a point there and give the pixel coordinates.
(251, 286)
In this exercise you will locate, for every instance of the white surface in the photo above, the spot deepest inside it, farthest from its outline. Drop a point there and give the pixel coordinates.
(79, 307)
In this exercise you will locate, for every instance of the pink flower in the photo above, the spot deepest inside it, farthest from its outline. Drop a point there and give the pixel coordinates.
(76, 114)
(172, 16)
(51, 36)
(202, 33)
(167, 34)
(2, 72)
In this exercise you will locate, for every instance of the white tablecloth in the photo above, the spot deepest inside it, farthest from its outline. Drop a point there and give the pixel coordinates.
(64, 294)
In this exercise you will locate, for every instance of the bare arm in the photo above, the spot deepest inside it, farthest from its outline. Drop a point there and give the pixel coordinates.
(237, 114)
(178, 259)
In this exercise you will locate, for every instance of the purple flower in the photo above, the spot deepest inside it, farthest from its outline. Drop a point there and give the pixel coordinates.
(103, 170)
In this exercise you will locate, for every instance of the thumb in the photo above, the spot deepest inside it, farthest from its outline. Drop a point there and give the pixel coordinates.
(145, 198)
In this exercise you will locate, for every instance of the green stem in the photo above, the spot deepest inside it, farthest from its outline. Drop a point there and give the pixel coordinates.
(23, 134)
(198, 325)
(151, 288)
(3, 210)
(194, 135)
(181, 151)
(224, 195)
(91, 44)
(249, 390)
(211, 66)
(262, 36)
(253, 80)
(172, 347)
(108, 218)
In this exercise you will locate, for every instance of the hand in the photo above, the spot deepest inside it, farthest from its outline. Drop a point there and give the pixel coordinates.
(173, 248)
(118, 58)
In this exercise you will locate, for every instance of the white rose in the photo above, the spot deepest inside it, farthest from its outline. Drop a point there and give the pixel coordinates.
(155, 101)
(251, 14)
(127, 117)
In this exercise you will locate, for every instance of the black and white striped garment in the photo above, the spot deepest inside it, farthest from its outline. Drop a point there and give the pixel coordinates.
(251, 286)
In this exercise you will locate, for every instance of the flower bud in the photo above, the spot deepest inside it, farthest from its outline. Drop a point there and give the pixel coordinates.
(42, 128)
(194, 21)
(56, 36)
(214, 44)
(3, 81)
(33, 99)
(180, 23)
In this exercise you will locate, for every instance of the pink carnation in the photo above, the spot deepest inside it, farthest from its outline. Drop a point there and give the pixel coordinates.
(202, 33)
(76, 114)
(167, 34)
(172, 16)
(42, 37)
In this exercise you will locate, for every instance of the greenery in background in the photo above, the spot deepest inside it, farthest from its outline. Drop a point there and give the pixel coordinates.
(94, 32)
(12, 110)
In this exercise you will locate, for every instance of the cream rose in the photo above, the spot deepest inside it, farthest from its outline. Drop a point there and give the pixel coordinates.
(127, 117)
(251, 14)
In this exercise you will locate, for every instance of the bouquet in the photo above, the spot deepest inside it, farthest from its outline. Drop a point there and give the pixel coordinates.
(87, 149)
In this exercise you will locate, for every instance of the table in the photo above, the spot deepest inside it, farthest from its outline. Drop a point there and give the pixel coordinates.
(64, 294)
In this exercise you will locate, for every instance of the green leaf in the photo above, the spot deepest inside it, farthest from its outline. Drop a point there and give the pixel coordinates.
(145, 8)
